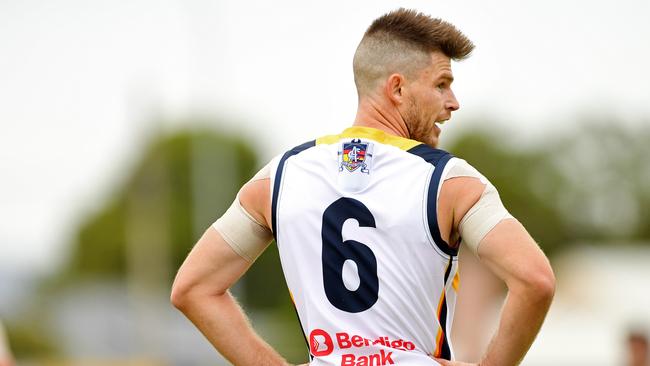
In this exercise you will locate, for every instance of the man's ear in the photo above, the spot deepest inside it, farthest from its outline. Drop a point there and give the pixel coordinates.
(393, 88)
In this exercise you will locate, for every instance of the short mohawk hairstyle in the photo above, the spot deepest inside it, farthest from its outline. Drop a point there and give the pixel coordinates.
(402, 41)
(423, 32)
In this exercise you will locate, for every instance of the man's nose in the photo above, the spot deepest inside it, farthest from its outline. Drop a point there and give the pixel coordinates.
(452, 102)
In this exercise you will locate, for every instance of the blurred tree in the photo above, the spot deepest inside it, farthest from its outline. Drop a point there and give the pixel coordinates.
(526, 180)
(29, 339)
(594, 184)
(190, 177)
(183, 182)
(605, 165)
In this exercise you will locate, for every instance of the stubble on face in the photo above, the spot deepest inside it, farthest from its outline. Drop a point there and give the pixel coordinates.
(425, 105)
(420, 126)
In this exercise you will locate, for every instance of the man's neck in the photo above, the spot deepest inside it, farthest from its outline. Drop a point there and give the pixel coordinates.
(381, 115)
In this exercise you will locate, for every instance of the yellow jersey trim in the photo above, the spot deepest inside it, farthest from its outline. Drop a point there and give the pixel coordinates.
(370, 134)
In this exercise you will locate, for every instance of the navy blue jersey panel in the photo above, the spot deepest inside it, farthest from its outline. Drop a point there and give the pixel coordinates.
(428, 153)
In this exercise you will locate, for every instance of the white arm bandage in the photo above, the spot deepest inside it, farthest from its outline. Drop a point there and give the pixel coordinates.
(241, 231)
(486, 213)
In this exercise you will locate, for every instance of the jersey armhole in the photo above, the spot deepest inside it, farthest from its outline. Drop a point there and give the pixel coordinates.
(438, 160)
(432, 195)
(273, 167)
(277, 170)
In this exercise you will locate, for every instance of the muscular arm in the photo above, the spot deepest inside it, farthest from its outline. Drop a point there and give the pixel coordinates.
(201, 286)
(513, 256)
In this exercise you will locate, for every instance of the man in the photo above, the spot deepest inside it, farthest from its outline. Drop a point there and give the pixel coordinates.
(368, 224)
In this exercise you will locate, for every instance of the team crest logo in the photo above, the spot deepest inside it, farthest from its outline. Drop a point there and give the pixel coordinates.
(354, 156)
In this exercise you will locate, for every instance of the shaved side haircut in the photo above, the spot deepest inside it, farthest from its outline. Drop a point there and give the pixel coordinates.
(402, 42)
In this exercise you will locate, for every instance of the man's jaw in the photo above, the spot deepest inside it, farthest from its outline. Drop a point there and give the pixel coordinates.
(436, 129)
(438, 124)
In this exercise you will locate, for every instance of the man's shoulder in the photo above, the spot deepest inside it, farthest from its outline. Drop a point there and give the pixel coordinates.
(430, 154)
(300, 148)
(279, 160)
(423, 151)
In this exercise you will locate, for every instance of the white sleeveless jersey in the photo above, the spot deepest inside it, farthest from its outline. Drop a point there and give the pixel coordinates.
(354, 217)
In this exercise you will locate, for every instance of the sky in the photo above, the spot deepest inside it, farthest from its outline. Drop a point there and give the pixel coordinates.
(82, 83)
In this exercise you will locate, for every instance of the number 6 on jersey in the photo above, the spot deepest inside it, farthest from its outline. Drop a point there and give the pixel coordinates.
(336, 252)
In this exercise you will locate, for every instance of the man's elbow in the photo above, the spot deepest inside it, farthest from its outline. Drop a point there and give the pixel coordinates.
(541, 283)
(179, 295)
(185, 292)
